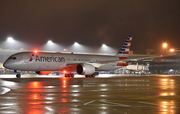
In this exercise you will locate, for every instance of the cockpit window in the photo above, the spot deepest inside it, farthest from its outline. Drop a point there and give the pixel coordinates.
(14, 58)
(10, 58)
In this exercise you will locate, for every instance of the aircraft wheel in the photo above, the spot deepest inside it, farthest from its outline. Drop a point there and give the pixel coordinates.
(69, 75)
(18, 75)
(57, 73)
(72, 75)
(66, 75)
(92, 76)
(97, 73)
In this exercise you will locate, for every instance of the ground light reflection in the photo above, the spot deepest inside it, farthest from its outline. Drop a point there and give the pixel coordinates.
(167, 83)
(35, 96)
(35, 111)
(64, 84)
(167, 86)
(167, 107)
(63, 99)
(36, 99)
(35, 84)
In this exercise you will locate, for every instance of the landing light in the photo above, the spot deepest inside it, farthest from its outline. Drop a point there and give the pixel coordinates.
(35, 51)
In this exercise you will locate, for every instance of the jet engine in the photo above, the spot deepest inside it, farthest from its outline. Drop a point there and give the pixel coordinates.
(85, 69)
(43, 72)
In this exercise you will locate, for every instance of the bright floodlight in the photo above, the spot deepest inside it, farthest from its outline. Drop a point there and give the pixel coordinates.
(65, 49)
(10, 39)
(164, 45)
(50, 42)
(75, 43)
(171, 50)
(104, 45)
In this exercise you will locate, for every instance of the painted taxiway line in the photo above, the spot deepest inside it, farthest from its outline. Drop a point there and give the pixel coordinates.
(115, 103)
(4, 90)
(89, 102)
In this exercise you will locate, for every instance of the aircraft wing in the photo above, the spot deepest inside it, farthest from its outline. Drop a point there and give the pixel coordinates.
(97, 64)
(131, 59)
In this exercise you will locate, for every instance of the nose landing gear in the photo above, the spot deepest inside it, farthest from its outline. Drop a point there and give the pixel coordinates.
(18, 75)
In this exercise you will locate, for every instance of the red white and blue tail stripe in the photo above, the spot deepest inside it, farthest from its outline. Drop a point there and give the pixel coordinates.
(126, 47)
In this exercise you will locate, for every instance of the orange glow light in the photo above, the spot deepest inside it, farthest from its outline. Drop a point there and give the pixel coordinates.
(35, 84)
(64, 100)
(164, 45)
(35, 51)
(171, 50)
(64, 83)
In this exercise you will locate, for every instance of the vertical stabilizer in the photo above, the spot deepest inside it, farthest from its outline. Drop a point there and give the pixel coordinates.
(126, 47)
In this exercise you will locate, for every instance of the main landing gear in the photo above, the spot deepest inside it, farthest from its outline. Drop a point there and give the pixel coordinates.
(92, 75)
(70, 75)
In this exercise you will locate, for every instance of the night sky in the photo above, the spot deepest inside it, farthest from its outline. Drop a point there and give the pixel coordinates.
(92, 22)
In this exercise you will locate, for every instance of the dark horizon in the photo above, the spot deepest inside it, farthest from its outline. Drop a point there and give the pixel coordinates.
(92, 23)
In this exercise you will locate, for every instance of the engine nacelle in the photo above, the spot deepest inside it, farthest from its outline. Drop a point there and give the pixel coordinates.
(43, 72)
(85, 69)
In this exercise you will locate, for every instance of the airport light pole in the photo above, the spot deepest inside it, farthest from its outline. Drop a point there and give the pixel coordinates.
(164, 46)
(104, 48)
(10, 41)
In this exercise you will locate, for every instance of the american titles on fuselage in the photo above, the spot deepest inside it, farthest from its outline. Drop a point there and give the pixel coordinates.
(49, 59)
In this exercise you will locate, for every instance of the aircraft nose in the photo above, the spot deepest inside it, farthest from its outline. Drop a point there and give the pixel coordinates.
(6, 64)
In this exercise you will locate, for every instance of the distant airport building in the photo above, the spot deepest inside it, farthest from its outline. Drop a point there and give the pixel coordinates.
(150, 51)
(173, 51)
(165, 65)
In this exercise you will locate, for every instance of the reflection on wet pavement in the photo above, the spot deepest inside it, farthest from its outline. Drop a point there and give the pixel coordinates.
(116, 95)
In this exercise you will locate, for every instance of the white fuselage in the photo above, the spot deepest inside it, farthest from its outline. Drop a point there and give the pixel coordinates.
(43, 61)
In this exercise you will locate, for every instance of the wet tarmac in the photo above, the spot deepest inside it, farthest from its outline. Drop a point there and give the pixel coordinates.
(109, 94)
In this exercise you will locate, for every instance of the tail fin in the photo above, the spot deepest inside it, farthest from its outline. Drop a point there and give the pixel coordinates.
(126, 47)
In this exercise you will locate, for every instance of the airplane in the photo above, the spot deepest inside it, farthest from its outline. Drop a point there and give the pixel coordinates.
(82, 64)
